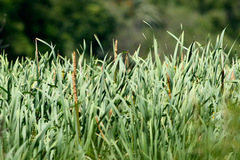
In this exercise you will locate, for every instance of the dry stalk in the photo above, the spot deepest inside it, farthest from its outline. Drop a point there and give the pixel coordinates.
(74, 88)
(110, 112)
(99, 127)
(115, 50)
(115, 58)
(233, 76)
(74, 64)
(115, 73)
(126, 60)
(75, 93)
(54, 75)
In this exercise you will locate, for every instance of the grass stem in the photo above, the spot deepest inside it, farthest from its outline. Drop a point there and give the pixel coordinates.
(75, 94)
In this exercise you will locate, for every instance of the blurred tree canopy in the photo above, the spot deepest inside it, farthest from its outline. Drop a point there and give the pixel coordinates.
(67, 23)
(2, 46)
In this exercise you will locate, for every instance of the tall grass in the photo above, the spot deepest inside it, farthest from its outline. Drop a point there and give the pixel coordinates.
(185, 107)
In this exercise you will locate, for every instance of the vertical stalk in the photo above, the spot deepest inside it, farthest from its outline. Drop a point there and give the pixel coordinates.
(115, 73)
(99, 127)
(54, 75)
(115, 50)
(115, 58)
(75, 93)
(233, 75)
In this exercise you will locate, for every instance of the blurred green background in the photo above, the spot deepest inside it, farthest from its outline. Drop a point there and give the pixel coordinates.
(66, 23)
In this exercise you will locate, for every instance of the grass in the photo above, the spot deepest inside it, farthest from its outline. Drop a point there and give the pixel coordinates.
(184, 107)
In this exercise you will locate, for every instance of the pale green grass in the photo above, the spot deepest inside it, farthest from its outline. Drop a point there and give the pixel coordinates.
(199, 119)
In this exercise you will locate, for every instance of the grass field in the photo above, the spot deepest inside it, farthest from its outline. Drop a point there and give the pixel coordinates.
(183, 107)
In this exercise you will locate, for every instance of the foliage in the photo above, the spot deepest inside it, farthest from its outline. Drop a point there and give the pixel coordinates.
(55, 21)
(2, 46)
(71, 21)
(182, 108)
(198, 17)
(129, 17)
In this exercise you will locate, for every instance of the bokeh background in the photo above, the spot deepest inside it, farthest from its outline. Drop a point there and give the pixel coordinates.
(66, 23)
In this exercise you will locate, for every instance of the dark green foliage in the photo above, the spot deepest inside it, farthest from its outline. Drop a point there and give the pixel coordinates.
(55, 21)
(2, 46)
(71, 21)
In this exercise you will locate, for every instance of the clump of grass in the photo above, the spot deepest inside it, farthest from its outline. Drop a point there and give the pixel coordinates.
(149, 110)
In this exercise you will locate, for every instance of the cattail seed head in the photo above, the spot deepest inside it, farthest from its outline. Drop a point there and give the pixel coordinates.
(115, 50)
(74, 63)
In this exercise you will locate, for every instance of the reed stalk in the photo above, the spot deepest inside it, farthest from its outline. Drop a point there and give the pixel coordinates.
(115, 58)
(233, 76)
(115, 50)
(75, 94)
(96, 118)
